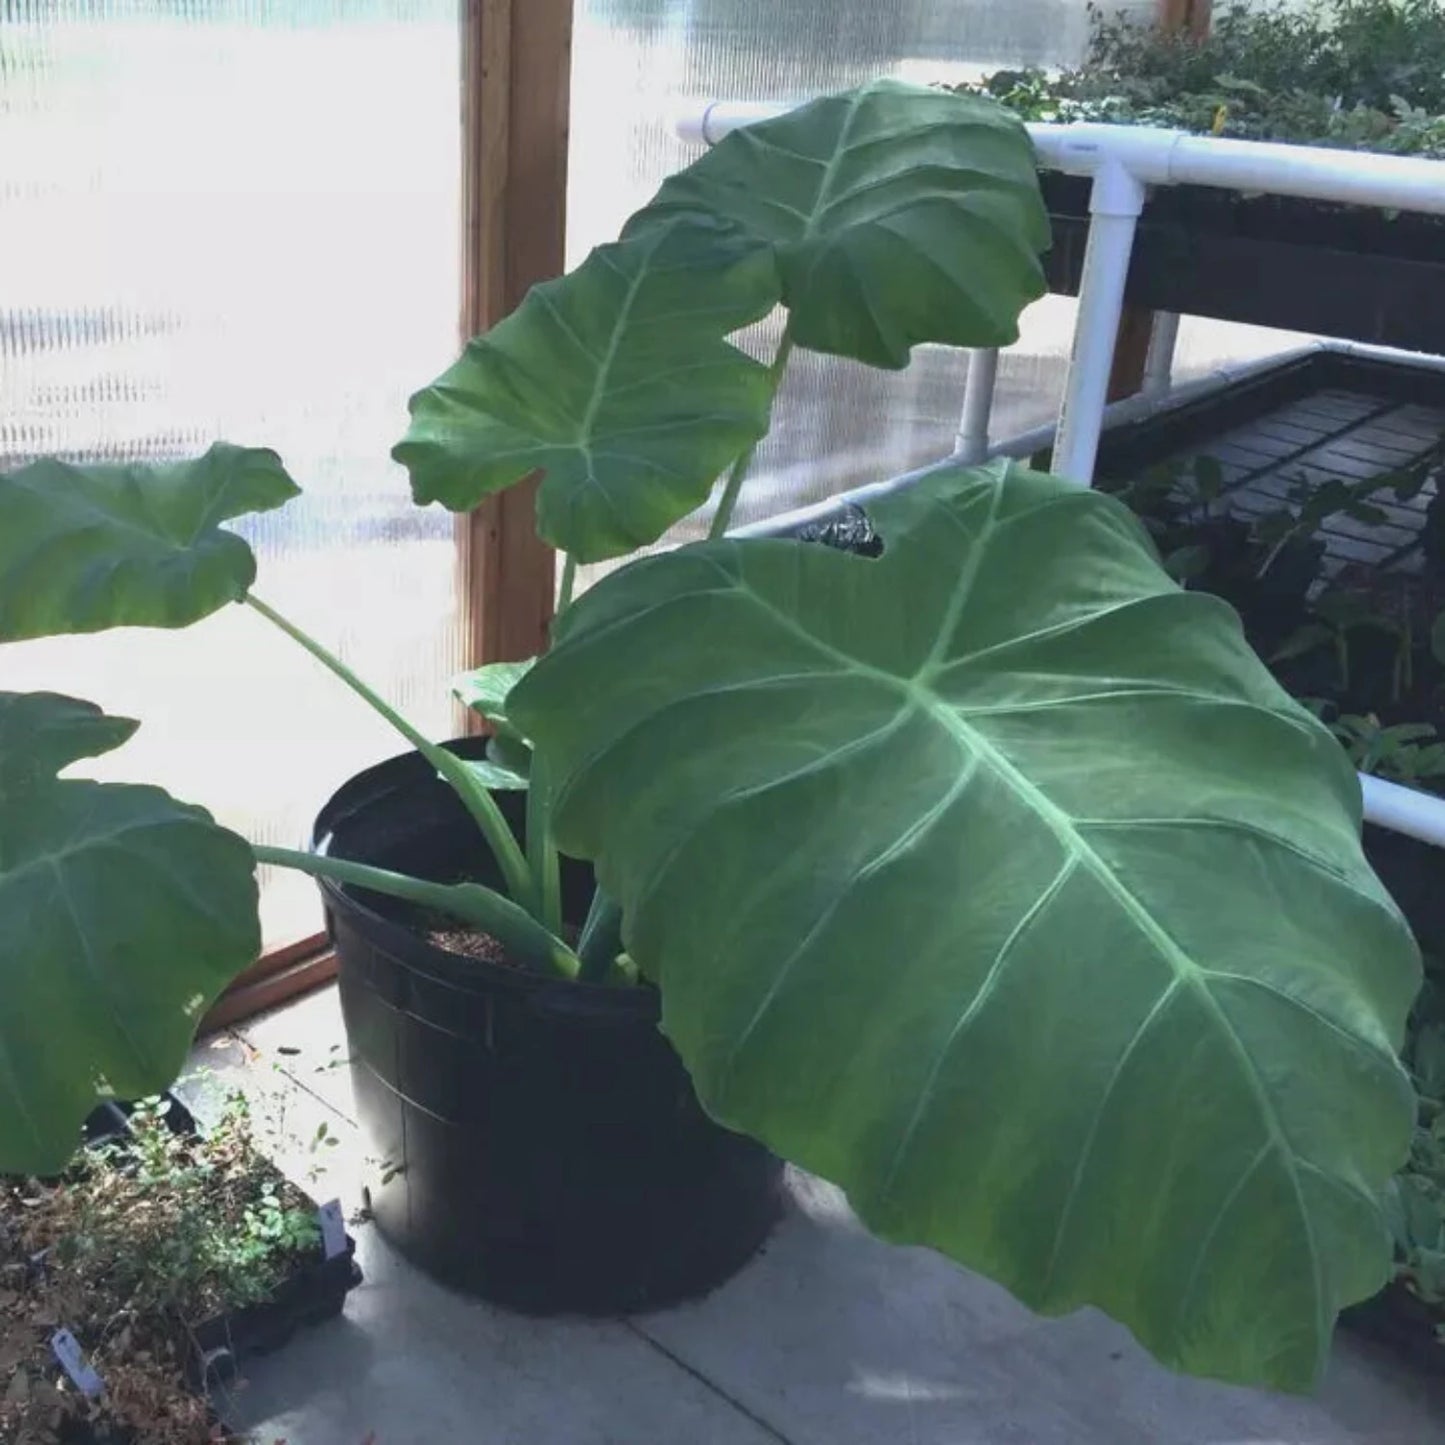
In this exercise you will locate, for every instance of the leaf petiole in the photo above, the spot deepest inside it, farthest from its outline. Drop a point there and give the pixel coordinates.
(507, 922)
(732, 488)
(474, 796)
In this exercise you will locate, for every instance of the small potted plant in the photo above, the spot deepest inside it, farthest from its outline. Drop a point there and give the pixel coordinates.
(991, 877)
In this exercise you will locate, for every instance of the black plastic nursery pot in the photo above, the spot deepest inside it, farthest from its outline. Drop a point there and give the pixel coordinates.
(1353, 272)
(539, 1141)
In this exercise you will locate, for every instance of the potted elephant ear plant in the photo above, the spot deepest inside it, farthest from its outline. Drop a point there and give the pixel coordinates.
(991, 878)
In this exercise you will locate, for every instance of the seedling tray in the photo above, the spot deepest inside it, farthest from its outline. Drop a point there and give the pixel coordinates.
(1354, 272)
(315, 1293)
(312, 1294)
(1324, 416)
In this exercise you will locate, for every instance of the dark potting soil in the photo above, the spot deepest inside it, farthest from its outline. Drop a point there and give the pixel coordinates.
(475, 943)
(469, 942)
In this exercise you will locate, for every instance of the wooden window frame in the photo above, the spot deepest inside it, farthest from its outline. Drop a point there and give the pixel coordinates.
(515, 86)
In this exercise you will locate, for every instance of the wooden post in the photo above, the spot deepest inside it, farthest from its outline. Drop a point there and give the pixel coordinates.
(1136, 326)
(516, 69)
(1190, 15)
(1131, 352)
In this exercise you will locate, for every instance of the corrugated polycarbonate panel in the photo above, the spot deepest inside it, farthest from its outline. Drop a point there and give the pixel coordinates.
(637, 61)
(837, 425)
(240, 220)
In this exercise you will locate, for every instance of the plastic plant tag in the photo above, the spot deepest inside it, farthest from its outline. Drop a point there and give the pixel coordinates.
(333, 1229)
(67, 1351)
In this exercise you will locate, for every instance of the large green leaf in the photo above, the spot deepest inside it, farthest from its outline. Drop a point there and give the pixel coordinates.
(124, 914)
(84, 548)
(899, 215)
(43, 732)
(485, 690)
(996, 881)
(616, 382)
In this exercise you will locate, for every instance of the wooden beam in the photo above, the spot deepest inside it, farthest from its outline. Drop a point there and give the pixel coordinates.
(1131, 352)
(515, 82)
(1188, 15)
(275, 978)
(516, 73)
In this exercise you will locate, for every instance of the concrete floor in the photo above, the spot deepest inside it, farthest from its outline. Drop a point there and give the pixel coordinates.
(827, 1338)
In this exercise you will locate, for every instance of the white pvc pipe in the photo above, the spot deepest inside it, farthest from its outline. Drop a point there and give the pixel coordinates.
(1025, 444)
(1159, 363)
(1168, 157)
(1138, 407)
(972, 441)
(1421, 361)
(1404, 810)
(707, 123)
(1359, 178)
(1115, 203)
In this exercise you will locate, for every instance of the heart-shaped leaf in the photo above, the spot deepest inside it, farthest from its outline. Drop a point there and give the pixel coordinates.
(494, 773)
(997, 881)
(616, 382)
(125, 913)
(485, 690)
(899, 215)
(84, 548)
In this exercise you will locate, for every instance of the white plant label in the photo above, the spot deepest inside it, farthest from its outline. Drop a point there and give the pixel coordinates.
(67, 1350)
(333, 1229)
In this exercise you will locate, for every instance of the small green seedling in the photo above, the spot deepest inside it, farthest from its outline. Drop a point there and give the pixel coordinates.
(1402, 752)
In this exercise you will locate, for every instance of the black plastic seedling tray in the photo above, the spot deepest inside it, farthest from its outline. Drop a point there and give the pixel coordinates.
(1327, 415)
(314, 1293)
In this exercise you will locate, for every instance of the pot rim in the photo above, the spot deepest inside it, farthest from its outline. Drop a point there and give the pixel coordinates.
(407, 947)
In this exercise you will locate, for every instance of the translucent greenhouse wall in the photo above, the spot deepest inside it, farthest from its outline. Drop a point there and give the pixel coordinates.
(241, 220)
(637, 62)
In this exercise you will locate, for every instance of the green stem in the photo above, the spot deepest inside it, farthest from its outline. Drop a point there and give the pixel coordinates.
(601, 938)
(542, 860)
(510, 925)
(475, 798)
(569, 581)
(1274, 552)
(722, 518)
(541, 847)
